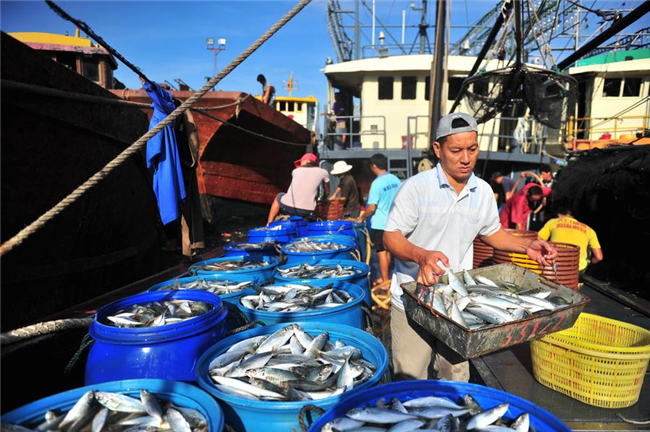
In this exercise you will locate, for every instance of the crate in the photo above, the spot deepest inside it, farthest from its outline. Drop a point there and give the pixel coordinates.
(330, 210)
(598, 361)
(475, 343)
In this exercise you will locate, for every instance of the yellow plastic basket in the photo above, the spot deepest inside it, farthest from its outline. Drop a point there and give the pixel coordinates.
(598, 361)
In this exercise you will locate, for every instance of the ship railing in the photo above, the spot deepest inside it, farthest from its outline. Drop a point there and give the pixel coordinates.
(333, 140)
(606, 128)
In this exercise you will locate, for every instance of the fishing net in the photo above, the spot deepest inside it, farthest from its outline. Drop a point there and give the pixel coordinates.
(551, 97)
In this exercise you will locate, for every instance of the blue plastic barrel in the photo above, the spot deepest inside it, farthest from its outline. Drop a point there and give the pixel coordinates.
(349, 314)
(540, 419)
(180, 394)
(302, 226)
(341, 254)
(252, 416)
(232, 298)
(360, 279)
(165, 352)
(260, 275)
(361, 234)
(339, 227)
(284, 234)
(257, 252)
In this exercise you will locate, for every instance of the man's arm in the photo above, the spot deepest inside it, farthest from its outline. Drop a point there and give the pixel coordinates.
(399, 246)
(327, 188)
(538, 250)
(335, 194)
(596, 255)
(368, 212)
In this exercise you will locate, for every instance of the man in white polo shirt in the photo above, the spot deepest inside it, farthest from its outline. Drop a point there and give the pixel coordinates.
(435, 217)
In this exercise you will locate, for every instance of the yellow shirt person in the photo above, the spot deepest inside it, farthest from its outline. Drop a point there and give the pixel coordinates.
(565, 229)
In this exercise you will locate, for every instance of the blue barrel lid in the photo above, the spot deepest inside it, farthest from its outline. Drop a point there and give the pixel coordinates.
(100, 331)
(181, 394)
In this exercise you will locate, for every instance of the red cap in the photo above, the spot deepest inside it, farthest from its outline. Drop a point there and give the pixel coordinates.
(307, 156)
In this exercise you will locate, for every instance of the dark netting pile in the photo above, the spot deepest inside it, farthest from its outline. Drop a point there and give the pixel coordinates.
(609, 190)
(549, 95)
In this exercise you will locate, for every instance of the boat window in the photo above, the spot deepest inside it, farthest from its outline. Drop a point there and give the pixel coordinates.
(299, 106)
(632, 87)
(386, 88)
(612, 87)
(291, 106)
(67, 59)
(427, 87)
(90, 69)
(283, 106)
(409, 86)
(455, 84)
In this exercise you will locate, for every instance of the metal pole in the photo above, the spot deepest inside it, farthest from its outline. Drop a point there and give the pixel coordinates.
(357, 34)
(409, 161)
(518, 35)
(578, 25)
(403, 25)
(437, 71)
(373, 23)
(424, 25)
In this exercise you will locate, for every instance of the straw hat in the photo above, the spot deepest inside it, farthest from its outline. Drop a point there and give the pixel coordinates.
(340, 167)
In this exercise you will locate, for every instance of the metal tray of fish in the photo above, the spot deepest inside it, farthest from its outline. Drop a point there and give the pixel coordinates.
(471, 343)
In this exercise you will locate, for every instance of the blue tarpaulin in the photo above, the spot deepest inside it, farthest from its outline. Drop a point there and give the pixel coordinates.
(162, 155)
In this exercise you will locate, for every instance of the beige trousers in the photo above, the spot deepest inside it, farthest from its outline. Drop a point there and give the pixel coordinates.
(413, 348)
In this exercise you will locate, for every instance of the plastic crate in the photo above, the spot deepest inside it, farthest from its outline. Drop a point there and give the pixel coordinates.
(598, 361)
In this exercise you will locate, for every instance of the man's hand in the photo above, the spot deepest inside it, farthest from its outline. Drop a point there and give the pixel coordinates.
(429, 269)
(142, 80)
(542, 252)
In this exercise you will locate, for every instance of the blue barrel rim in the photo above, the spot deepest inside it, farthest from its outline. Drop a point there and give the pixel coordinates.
(216, 277)
(434, 387)
(265, 231)
(273, 262)
(336, 223)
(297, 316)
(286, 406)
(349, 245)
(166, 333)
(177, 390)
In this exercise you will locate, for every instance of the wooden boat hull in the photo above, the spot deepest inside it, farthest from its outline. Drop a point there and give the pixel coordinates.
(50, 146)
(233, 163)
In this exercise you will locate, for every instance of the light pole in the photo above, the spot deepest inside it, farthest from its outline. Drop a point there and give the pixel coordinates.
(221, 46)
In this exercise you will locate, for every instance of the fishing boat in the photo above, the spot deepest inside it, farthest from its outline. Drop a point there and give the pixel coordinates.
(52, 142)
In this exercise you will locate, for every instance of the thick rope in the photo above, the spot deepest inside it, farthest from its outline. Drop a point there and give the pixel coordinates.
(83, 26)
(304, 411)
(634, 422)
(43, 328)
(137, 146)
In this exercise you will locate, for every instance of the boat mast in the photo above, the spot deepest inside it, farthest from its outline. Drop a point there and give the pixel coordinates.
(437, 74)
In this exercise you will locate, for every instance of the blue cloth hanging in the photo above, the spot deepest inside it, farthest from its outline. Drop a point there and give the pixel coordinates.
(162, 155)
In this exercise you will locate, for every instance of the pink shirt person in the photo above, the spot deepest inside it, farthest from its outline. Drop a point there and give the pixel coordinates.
(516, 210)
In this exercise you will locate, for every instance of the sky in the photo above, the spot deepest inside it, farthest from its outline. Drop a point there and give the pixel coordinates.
(167, 39)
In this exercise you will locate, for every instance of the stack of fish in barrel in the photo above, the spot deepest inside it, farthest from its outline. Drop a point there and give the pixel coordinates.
(307, 284)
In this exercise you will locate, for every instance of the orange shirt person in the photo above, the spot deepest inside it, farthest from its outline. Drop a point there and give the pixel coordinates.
(566, 229)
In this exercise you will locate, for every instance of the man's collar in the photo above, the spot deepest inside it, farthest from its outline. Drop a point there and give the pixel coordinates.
(444, 182)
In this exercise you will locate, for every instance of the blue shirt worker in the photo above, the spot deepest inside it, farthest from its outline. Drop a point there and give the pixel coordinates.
(381, 196)
(162, 156)
(435, 218)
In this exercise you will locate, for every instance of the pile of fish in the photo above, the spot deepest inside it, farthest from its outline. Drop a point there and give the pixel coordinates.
(295, 298)
(270, 228)
(308, 271)
(261, 245)
(289, 365)
(480, 302)
(218, 287)
(230, 265)
(105, 411)
(306, 245)
(428, 413)
(158, 313)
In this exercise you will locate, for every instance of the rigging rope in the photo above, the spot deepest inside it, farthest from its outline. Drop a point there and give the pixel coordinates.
(135, 147)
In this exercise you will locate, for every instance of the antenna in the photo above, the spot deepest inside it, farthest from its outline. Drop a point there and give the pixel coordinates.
(290, 85)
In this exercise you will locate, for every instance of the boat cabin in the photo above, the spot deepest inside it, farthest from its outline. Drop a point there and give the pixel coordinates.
(303, 111)
(76, 53)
